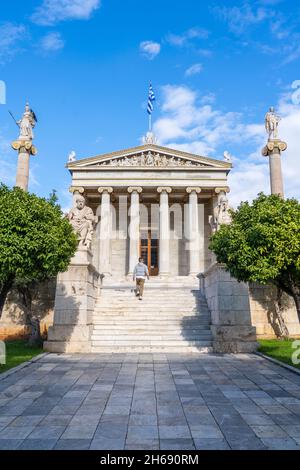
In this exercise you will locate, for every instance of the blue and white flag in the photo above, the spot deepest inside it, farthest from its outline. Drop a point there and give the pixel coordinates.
(151, 98)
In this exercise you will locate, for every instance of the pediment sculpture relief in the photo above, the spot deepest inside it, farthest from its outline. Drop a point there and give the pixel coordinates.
(152, 160)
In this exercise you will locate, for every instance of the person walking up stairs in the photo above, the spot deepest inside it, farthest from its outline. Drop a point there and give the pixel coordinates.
(140, 274)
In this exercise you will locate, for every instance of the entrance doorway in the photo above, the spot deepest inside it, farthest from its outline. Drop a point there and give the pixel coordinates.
(149, 252)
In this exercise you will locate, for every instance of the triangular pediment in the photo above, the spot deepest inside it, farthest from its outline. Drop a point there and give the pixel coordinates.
(148, 156)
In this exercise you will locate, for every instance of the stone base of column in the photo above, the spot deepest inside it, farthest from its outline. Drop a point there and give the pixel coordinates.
(76, 292)
(234, 339)
(228, 301)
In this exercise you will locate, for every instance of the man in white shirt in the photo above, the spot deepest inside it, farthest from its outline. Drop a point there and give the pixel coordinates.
(140, 274)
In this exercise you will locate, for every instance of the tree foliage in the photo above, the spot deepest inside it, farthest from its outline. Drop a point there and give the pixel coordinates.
(36, 242)
(262, 244)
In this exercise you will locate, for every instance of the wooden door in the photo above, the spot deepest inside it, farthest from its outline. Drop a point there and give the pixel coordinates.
(149, 252)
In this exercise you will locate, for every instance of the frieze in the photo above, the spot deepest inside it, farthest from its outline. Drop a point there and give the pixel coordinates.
(150, 159)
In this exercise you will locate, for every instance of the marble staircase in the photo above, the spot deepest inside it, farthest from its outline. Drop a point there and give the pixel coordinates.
(170, 318)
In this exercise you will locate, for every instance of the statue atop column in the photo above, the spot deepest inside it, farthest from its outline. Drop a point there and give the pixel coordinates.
(271, 123)
(273, 150)
(24, 145)
(26, 124)
(82, 220)
(221, 214)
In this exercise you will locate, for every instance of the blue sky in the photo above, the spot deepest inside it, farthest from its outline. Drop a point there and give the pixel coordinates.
(216, 67)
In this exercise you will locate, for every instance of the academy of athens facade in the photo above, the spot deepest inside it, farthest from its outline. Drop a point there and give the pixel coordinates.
(148, 200)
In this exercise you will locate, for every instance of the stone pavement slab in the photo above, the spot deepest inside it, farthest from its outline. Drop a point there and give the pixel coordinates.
(180, 401)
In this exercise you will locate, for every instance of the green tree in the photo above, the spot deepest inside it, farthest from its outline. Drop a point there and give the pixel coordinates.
(262, 244)
(36, 241)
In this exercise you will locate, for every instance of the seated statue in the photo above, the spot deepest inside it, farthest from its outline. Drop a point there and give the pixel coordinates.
(82, 219)
(221, 214)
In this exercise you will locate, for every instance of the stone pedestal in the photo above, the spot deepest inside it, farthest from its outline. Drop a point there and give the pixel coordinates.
(76, 292)
(228, 301)
(273, 150)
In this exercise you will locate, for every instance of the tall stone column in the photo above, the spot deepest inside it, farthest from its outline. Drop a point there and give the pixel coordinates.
(134, 227)
(105, 231)
(164, 231)
(25, 149)
(193, 231)
(24, 146)
(273, 150)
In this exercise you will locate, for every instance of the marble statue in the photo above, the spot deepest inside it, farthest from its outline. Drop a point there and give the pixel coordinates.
(150, 159)
(221, 214)
(271, 123)
(82, 220)
(227, 157)
(26, 124)
(72, 157)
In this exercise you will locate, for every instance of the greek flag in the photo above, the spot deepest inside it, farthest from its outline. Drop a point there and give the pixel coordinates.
(151, 98)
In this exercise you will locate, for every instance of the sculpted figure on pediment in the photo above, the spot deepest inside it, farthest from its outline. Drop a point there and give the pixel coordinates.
(150, 159)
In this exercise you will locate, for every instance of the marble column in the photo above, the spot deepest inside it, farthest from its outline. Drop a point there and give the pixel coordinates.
(76, 190)
(25, 149)
(134, 227)
(273, 150)
(164, 231)
(193, 231)
(105, 231)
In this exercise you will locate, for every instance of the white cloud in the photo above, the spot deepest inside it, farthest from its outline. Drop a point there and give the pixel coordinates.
(194, 69)
(11, 37)
(150, 49)
(240, 18)
(52, 42)
(185, 38)
(53, 11)
(190, 123)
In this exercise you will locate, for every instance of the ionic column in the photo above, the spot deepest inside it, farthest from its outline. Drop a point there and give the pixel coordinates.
(273, 150)
(193, 231)
(105, 231)
(134, 227)
(164, 231)
(75, 190)
(25, 149)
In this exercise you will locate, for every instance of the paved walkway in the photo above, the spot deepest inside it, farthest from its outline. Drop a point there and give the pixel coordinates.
(150, 401)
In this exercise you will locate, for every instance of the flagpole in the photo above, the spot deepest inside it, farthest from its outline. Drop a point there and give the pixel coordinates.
(150, 123)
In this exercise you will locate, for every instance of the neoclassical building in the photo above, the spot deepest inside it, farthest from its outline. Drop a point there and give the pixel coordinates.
(148, 201)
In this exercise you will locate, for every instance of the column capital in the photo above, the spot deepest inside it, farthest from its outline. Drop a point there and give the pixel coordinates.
(76, 189)
(134, 189)
(224, 189)
(190, 190)
(273, 146)
(166, 189)
(105, 189)
(24, 146)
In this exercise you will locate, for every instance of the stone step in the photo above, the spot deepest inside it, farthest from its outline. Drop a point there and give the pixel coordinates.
(142, 342)
(150, 328)
(156, 294)
(151, 297)
(156, 323)
(152, 337)
(151, 349)
(147, 315)
(166, 296)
